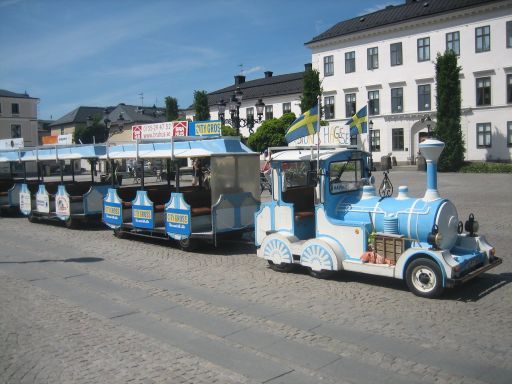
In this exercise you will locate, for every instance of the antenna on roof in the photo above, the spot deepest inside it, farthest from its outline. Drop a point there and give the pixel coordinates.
(241, 68)
(141, 94)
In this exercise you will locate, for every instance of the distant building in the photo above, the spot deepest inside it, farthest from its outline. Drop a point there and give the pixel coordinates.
(18, 117)
(119, 120)
(122, 118)
(78, 117)
(280, 94)
(387, 58)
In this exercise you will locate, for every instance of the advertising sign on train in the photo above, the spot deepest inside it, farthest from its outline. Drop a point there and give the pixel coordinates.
(158, 131)
(205, 128)
(62, 205)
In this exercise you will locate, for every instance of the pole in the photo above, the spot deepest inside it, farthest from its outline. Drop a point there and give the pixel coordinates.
(318, 135)
(73, 170)
(168, 167)
(112, 173)
(92, 171)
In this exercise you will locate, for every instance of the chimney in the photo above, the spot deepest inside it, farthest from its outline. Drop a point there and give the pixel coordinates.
(431, 150)
(268, 74)
(239, 79)
(308, 67)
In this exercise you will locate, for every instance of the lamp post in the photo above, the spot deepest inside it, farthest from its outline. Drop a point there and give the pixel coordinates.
(234, 111)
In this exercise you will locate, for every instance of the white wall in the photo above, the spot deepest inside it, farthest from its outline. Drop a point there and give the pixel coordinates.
(496, 64)
(27, 118)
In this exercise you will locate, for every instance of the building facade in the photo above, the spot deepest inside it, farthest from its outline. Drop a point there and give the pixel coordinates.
(387, 59)
(78, 117)
(280, 94)
(18, 117)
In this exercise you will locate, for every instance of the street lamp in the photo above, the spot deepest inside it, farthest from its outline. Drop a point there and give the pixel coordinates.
(428, 120)
(233, 106)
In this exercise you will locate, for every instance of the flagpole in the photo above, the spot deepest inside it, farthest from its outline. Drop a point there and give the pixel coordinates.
(318, 137)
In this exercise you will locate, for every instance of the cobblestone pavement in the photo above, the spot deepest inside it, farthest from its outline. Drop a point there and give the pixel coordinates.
(86, 307)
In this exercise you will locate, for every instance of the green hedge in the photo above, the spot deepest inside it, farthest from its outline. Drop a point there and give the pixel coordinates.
(486, 168)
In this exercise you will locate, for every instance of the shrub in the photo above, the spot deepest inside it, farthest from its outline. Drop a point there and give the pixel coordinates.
(487, 167)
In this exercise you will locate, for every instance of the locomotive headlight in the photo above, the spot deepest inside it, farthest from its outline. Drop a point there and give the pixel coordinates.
(492, 252)
(471, 225)
(435, 239)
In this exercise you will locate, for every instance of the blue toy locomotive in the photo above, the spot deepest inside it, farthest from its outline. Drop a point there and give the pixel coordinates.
(326, 216)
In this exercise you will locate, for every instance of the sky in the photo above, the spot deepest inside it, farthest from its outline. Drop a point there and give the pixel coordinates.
(71, 53)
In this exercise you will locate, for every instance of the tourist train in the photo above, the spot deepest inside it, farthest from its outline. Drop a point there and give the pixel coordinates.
(325, 214)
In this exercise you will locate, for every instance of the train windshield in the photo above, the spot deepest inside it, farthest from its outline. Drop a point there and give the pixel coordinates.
(345, 176)
(299, 173)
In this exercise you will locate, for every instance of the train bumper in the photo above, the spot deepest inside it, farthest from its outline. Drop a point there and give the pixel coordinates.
(460, 280)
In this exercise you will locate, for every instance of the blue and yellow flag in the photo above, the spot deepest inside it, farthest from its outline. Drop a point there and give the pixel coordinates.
(305, 125)
(358, 122)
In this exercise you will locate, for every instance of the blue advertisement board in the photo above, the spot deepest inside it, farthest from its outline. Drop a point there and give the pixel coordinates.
(178, 223)
(205, 128)
(142, 211)
(112, 209)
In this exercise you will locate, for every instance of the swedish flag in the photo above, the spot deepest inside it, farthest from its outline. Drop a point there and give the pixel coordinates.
(358, 122)
(305, 125)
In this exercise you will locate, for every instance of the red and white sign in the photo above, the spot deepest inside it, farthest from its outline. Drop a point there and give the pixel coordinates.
(180, 128)
(159, 130)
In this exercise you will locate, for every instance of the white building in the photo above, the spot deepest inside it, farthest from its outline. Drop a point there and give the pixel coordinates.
(280, 94)
(388, 59)
(18, 117)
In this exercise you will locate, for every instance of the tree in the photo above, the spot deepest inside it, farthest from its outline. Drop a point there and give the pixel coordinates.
(171, 108)
(201, 106)
(95, 132)
(271, 133)
(312, 89)
(448, 101)
(228, 130)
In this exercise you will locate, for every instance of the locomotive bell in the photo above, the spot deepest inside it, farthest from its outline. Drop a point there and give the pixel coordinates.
(431, 150)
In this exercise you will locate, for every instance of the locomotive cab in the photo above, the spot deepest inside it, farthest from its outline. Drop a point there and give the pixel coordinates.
(325, 215)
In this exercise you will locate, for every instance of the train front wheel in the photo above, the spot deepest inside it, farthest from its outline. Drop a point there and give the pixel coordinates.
(424, 278)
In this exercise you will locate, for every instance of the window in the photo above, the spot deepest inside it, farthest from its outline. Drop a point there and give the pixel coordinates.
(375, 140)
(298, 173)
(350, 62)
(396, 54)
(345, 176)
(353, 140)
(453, 42)
(15, 131)
(509, 89)
(269, 112)
(483, 135)
(350, 104)
(398, 139)
(483, 91)
(373, 102)
(509, 34)
(287, 108)
(397, 100)
(249, 114)
(424, 97)
(483, 39)
(509, 133)
(373, 58)
(328, 65)
(329, 107)
(424, 49)
(15, 108)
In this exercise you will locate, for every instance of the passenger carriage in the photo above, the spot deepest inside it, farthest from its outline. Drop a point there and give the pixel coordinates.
(67, 200)
(10, 186)
(224, 205)
(334, 220)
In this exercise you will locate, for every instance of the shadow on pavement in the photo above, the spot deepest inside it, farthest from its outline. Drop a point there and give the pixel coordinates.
(71, 260)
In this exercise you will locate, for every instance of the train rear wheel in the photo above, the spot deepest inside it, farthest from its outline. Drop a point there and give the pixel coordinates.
(32, 218)
(187, 244)
(119, 233)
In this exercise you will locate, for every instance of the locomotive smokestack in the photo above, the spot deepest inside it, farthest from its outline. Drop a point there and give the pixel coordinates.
(431, 150)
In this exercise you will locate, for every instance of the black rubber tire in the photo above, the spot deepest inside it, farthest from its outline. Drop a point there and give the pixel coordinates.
(187, 244)
(283, 267)
(323, 274)
(32, 218)
(70, 223)
(119, 233)
(424, 278)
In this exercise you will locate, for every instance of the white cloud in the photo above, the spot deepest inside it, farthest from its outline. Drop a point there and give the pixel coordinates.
(6, 3)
